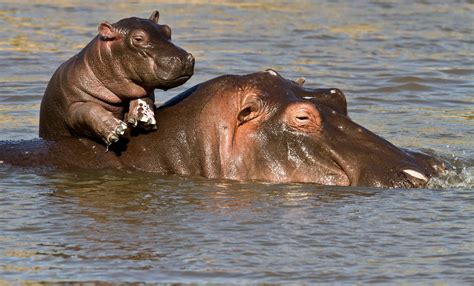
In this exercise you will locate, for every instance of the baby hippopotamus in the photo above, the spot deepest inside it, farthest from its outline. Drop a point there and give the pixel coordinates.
(112, 79)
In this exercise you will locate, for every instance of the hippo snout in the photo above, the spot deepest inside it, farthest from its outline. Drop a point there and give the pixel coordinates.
(174, 70)
(408, 177)
(414, 170)
(182, 64)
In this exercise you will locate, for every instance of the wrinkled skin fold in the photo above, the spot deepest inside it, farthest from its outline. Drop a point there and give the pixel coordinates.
(259, 126)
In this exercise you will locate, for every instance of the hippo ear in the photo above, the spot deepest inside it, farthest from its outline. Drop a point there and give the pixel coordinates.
(155, 16)
(248, 112)
(300, 81)
(272, 72)
(107, 31)
(167, 31)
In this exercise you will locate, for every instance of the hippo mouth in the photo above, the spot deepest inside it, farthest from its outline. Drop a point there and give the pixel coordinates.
(404, 178)
(338, 179)
(333, 174)
(181, 78)
(170, 83)
(339, 176)
(408, 177)
(399, 174)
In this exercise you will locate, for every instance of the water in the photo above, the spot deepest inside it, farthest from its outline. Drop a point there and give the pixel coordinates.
(407, 68)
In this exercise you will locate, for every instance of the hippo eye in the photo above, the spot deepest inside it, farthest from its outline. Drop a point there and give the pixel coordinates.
(139, 38)
(304, 117)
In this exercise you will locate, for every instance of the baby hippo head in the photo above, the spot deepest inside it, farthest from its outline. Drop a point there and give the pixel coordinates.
(141, 49)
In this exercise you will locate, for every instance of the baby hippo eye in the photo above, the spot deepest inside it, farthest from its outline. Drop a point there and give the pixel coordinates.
(139, 38)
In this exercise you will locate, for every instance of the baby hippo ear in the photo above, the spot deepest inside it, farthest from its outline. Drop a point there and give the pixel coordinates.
(155, 16)
(167, 30)
(107, 31)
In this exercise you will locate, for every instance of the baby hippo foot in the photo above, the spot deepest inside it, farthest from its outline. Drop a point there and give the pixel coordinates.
(114, 129)
(142, 112)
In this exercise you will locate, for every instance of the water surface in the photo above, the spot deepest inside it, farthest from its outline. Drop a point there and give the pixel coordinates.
(407, 69)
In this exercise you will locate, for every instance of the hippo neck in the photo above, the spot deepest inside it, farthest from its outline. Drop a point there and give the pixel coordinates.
(182, 144)
(109, 72)
(204, 115)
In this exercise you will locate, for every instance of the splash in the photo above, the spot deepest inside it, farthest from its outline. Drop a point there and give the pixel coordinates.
(457, 178)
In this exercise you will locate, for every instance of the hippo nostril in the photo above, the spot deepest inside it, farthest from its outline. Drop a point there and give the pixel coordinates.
(190, 58)
(188, 64)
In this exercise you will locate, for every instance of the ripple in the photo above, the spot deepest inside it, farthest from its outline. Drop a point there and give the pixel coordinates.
(134, 227)
(322, 37)
(458, 71)
(403, 87)
(462, 178)
(414, 79)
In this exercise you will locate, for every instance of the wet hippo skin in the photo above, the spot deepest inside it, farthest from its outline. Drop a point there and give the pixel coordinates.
(88, 95)
(259, 126)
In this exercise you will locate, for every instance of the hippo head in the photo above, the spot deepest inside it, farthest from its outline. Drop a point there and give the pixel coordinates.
(273, 129)
(142, 51)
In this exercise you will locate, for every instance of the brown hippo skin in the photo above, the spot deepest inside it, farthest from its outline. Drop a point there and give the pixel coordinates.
(124, 63)
(258, 126)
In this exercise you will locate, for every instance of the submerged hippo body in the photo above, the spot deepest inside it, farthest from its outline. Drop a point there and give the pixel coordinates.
(123, 64)
(258, 126)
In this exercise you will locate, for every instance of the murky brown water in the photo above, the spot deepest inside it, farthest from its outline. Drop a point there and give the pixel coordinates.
(407, 68)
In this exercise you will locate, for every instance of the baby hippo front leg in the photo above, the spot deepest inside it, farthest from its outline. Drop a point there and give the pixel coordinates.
(142, 112)
(90, 119)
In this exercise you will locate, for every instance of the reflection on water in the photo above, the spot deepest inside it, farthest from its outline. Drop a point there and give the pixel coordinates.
(95, 226)
(407, 70)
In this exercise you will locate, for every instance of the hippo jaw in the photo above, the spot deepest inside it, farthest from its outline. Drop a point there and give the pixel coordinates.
(167, 83)
(370, 160)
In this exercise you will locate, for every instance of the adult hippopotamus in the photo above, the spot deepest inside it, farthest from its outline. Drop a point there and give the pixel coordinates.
(88, 95)
(259, 126)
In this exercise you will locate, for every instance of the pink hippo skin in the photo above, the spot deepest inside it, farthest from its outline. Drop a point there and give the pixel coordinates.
(88, 95)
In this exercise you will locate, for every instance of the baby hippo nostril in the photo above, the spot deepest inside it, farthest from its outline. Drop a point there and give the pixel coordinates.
(190, 59)
(189, 64)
